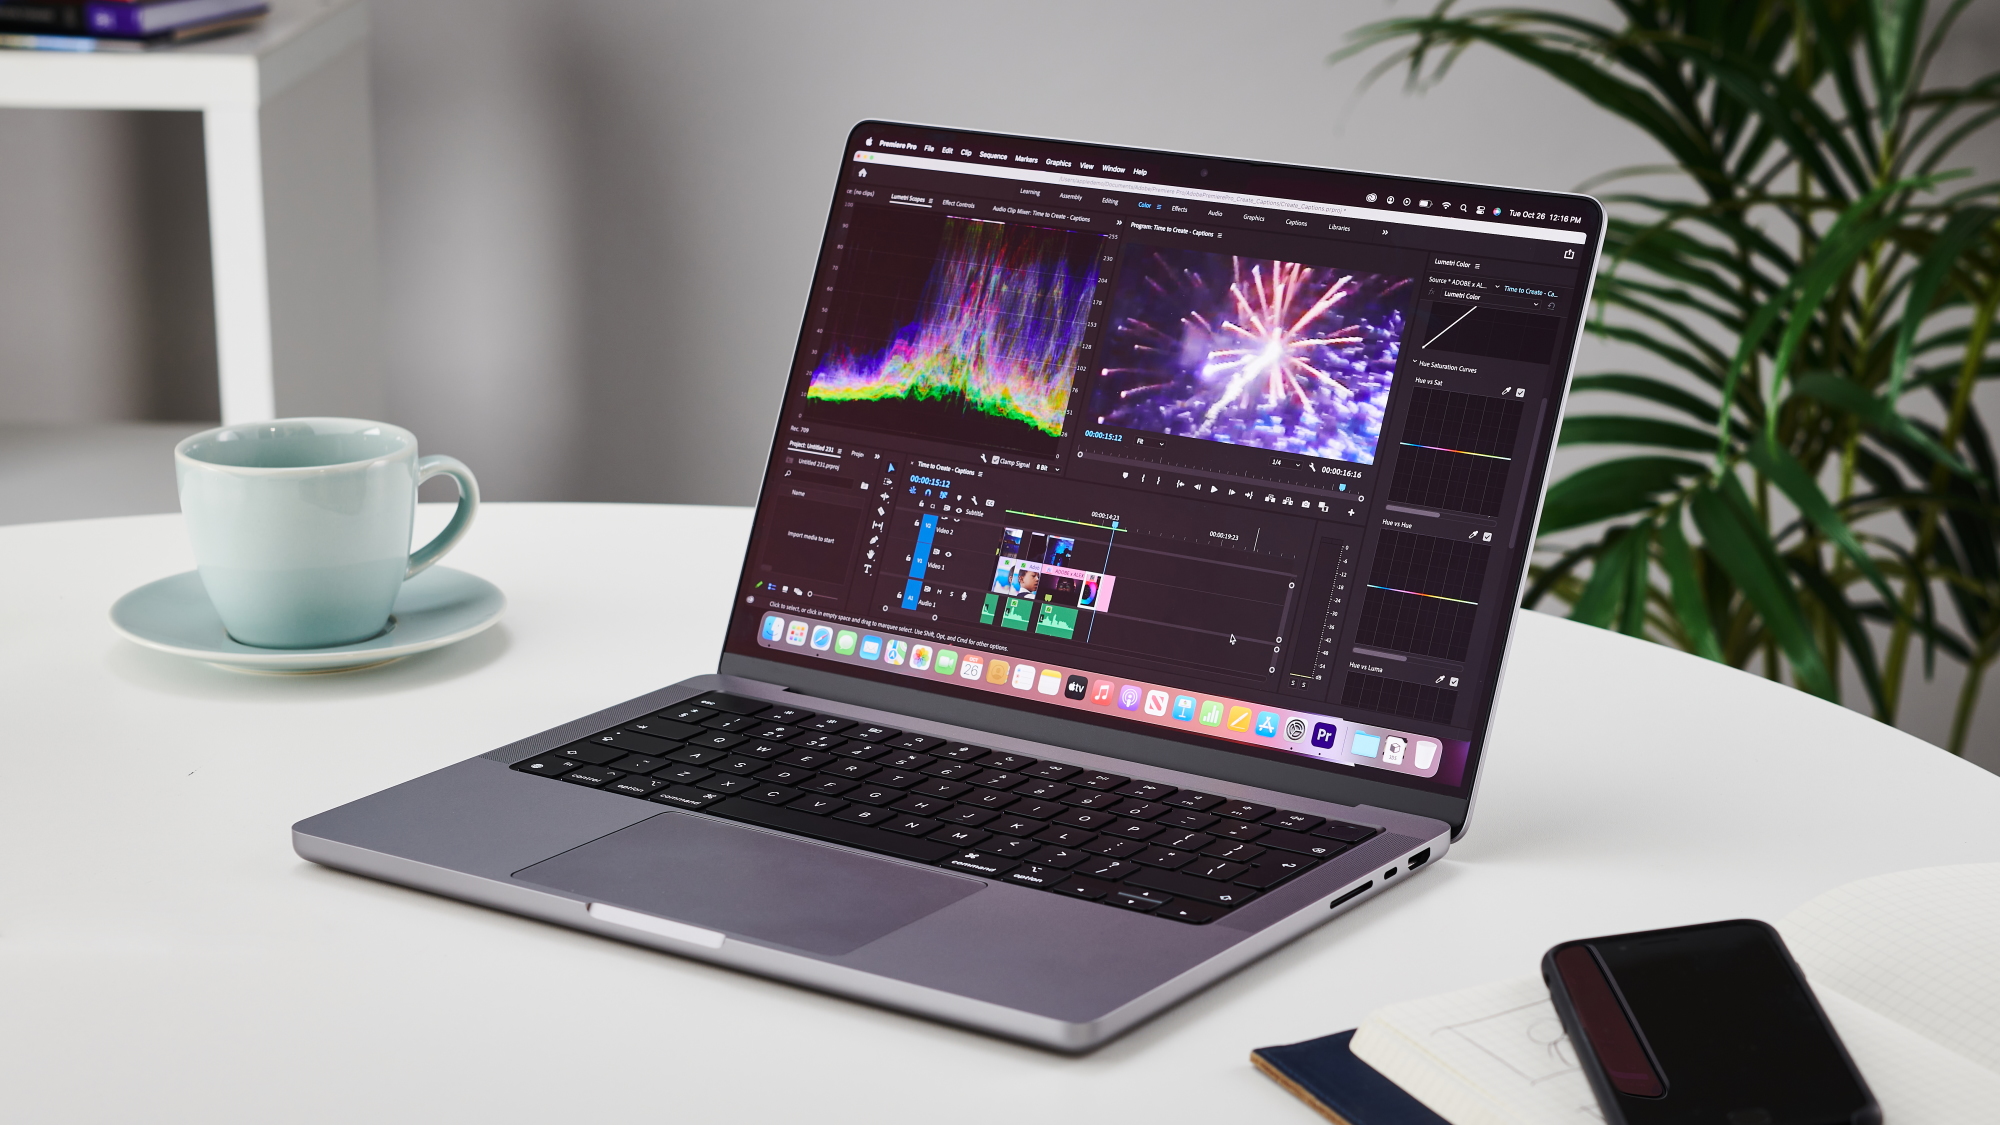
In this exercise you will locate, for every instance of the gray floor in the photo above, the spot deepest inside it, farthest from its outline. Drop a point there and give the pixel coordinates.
(51, 472)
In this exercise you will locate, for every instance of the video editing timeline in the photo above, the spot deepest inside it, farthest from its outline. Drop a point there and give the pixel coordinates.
(1137, 436)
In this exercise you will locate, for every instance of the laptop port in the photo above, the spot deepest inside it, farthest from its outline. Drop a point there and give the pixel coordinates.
(1388, 875)
(1351, 895)
(1419, 859)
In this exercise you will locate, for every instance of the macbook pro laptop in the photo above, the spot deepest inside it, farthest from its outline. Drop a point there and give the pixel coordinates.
(1129, 591)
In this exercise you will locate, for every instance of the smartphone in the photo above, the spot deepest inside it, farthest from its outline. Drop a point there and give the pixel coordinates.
(1711, 1023)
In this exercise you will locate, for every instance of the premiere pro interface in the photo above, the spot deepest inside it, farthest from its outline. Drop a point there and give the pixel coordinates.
(1235, 454)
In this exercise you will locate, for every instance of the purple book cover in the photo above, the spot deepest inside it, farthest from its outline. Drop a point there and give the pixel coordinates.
(139, 21)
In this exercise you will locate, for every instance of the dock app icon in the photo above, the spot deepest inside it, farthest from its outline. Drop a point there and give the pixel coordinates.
(1184, 708)
(1324, 735)
(822, 637)
(1128, 698)
(920, 657)
(774, 627)
(1156, 703)
(871, 647)
(796, 635)
(897, 652)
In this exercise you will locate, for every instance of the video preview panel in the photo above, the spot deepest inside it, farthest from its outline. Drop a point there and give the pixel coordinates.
(1255, 352)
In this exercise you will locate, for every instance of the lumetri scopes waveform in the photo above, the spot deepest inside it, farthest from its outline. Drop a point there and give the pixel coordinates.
(995, 333)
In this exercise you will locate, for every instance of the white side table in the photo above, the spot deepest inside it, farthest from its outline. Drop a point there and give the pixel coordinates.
(291, 194)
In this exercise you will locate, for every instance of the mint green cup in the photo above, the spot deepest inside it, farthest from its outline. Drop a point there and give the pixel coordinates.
(301, 527)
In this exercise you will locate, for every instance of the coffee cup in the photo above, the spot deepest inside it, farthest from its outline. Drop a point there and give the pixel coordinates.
(301, 527)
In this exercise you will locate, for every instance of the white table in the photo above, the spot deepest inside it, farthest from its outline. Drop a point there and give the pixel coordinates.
(290, 159)
(164, 957)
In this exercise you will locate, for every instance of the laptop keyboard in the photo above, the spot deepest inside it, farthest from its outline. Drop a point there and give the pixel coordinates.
(1108, 838)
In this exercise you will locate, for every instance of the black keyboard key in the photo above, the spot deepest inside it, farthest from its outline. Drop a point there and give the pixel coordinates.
(1220, 869)
(1199, 802)
(967, 814)
(1187, 818)
(716, 740)
(1008, 847)
(1184, 841)
(907, 825)
(592, 775)
(684, 775)
(817, 804)
(860, 751)
(729, 783)
(834, 829)
(918, 742)
(1275, 869)
(1035, 875)
(827, 724)
(1187, 886)
(1294, 821)
(1167, 859)
(771, 794)
(806, 759)
(776, 732)
(851, 770)
(1011, 825)
(1139, 810)
(988, 799)
(831, 786)
(734, 704)
(863, 814)
(635, 785)
(871, 733)
(686, 797)
(1115, 847)
(1240, 830)
(1347, 833)
(760, 749)
(1063, 835)
(588, 753)
(547, 765)
(1146, 791)
(921, 806)
(633, 743)
(1013, 763)
(952, 771)
(638, 763)
(1233, 850)
(905, 760)
(696, 755)
(1104, 867)
(1053, 771)
(1143, 900)
(734, 724)
(958, 836)
(874, 795)
(1197, 913)
(666, 727)
(898, 779)
(1082, 886)
(790, 716)
(785, 775)
(1064, 858)
(959, 751)
(981, 863)
(1133, 830)
(1040, 810)
(1090, 819)
(825, 742)
(1094, 780)
(687, 713)
(940, 788)
(1243, 810)
(1319, 847)
(998, 779)
(736, 765)
(1092, 799)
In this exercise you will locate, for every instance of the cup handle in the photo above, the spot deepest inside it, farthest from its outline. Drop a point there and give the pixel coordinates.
(461, 520)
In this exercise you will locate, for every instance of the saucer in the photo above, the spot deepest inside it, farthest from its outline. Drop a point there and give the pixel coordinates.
(441, 606)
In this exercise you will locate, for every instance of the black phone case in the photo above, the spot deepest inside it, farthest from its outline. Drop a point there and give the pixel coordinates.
(1621, 1108)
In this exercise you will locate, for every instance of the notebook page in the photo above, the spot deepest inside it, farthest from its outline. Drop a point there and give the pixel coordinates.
(1913, 1080)
(1919, 947)
(1492, 1055)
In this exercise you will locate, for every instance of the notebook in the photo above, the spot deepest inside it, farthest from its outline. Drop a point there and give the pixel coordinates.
(1907, 966)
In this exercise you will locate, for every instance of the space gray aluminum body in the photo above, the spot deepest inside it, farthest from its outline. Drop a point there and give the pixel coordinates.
(1002, 958)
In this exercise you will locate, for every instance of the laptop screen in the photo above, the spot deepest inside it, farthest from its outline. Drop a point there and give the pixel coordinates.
(1236, 454)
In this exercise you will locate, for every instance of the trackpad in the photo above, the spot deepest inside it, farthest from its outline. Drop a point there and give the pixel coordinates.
(750, 883)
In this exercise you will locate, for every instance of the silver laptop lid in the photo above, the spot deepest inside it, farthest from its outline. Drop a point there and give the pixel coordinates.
(1225, 466)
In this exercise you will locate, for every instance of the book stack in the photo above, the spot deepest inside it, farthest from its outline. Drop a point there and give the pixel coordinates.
(120, 25)
(1906, 966)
